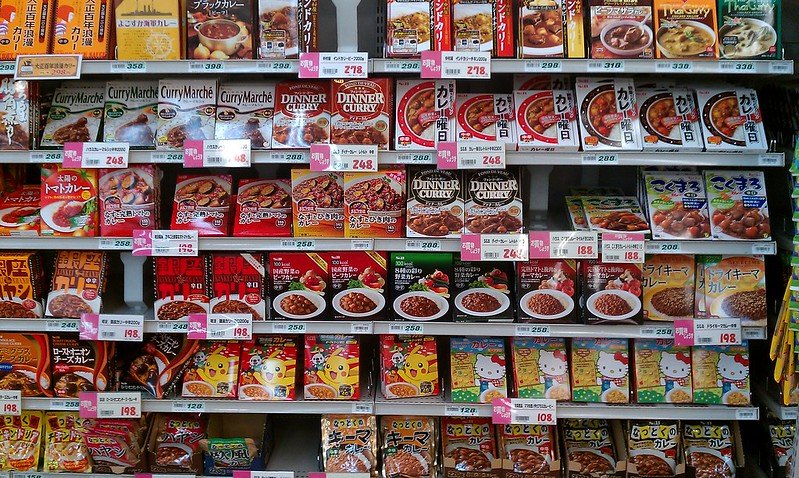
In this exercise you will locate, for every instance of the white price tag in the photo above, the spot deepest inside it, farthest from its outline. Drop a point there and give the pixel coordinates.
(543, 66)
(362, 244)
(298, 157)
(220, 326)
(64, 325)
(188, 406)
(128, 67)
(116, 244)
(717, 332)
(471, 155)
(164, 157)
(663, 247)
(298, 244)
(110, 405)
(10, 402)
(46, 157)
(410, 328)
(276, 66)
(344, 65)
(600, 158)
(572, 245)
(769, 159)
(497, 247)
(280, 327)
(789, 413)
(361, 328)
(402, 66)
(96, 155)
(363, 408)
(113, 327)
(765, 248)
(754, 333)
(746, 414)
(206, 67)
(7, 67)
(461, 411)
(532, 330)
(780, 67)
(737, 66)
(674, 67)
(463, 65)
(623, 248)
(529, 411)
(66, 405)
(165, 243)
(422, 245)
(416, 158)
(606, 66)
(211, 153)
(172, 326)
(341, 157)
(657, 331)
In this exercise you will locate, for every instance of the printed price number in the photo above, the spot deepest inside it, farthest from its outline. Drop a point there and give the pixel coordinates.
(65, 325)
(298, 244)
(179, 326)
(461, 411)
(206, 66)
(769, 160)
(416, 158)
(402, 66)
(623, 248)
(660, 247)
(736, 66)
(600, 159)
(657, 331)
(465, 65)
(185, 406)
(362, 245)
(289, 327)
(571, 245)
(46, 157)
(123, 244)
(548, 66)
(504, 247)
(405, 329)
(166, 157)
(422, 245)
(10, 402)
(275, 67)
(766, 248)
(616, 66)
(64, 405)
(717, 331)
(529, 330)
(674, 67)
(7, 67)
(128, 67)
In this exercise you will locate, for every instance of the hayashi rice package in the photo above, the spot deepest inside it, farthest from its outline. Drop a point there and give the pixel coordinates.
(349, 444)
(710, 448)
(409, 446)
(20, 211)
(22, 277)
(608, 114)
(662, 372)
(654, 449)
(540, 368)
(64, 444)
(154, 366)
(268, 368)
(529, 451)
(78, 284)
(477, 369)
(25, 364)
(721, 374)
(80, 365)
(213, 370)
(68, 201)
(84, 27)
(408, 366)
(668, 287)
(28, 28)
(469, 444)
(174, 445)
(24, 434)
(332, 367)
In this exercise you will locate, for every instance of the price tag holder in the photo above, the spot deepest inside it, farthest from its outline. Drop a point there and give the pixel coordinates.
(780, 67)
(624, 248)
(663, 247)
(737, 67)
(163, 157)
(471, 155)
(262, 474)
(410, 328)
(276, 66)
(165, 243)
(188, 406)
(128, 67)
(363, 408)
(334, 65)
(298, 244)
(495, 247)
(457, 65)
(60, 404)
(764, 248)
(754, 333)
(563, 245)
(422, 245)
(606, 66)
(220, 327)
(543, 66)
(340, 157)
(46, 157)
(524, 411)
(361, 328)
(11, 402)
(63, 325)
(707, 332)
(96, 155)
(172, 326)
(116, 244)
(769, 159)
(532, 330)
(747, 414)
(402, 66)
(7, 67)
(48, 67)
(362, 244)
(206, 67)
(280, 327)
(657, 331)
(112, 327)
(213, 153)
(416, 158)
(674, 67)
(461, 411)
(110, 404)
(600, 159)
(162, 475)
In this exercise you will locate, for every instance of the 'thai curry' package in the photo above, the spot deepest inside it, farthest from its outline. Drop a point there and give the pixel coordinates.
(750, 30)
(332, 367)
(478, 369)
(686, 29)
(662, 372)
(600, 370)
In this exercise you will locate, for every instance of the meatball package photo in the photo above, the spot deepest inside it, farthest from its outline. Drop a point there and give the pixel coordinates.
(358, 283)
(677, 205)
(483, 291)
(298, 286)
(421, 286)
(611, 292)
(737, 205)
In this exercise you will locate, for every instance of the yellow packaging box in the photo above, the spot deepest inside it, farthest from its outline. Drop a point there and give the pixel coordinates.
(148, 29)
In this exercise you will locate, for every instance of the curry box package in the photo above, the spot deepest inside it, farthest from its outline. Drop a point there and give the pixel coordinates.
(529, 451)
(374, 203)
(655, 448)
(317, 203)
(361, 111)
(483, 25)
(718, 440)
(600, 370)
(737, 205)
(349, 442)
(332, 367)
(750, 31)
(84, 27)
(213, 371)
(611, 292)
(409, 446)
(263, 208)
(220, 30)
(131, 109)
(269, 369)
(414, 26)
(483, 291)
(668, 284)
(182, 287)
(735, 287)
(238, 282)
(420, 285)
(357, 285)
(24, 432)
(186, 110)
(469, 443)
(80, 365)
(149, 33)
(78, 284)
(18, 113)
(425, 114)
(608, 114)
(28, 28)
(493, 201)
(731, 119)
(298, 285)
(477, 369)
(540, 367)
(75, 114)
(621, 29)
(546, 120)
(155, 365)
(23, 279)
(278, 22)
(202, 203)
(614, 214)
(245, 111)
(408, 366)
(129, 200)
(662, 372)
(236, 443)
(593, 444)
(526, 81)
(68, 201)
(686, 29)
(485, 117)
(302, 114)
(721, 374)
(677, 205)
(541, 30)
(546, 290)
(435, 202)
(669, 119)
(25, 364)
(20, 211)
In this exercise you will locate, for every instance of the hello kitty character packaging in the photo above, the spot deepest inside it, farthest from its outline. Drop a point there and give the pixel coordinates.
(540, 368)
(721, 374)
(600, 370)
(662, 372)
(477, 369)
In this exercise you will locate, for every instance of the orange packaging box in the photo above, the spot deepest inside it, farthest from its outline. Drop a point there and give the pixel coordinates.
(25, 27)
(84, 27)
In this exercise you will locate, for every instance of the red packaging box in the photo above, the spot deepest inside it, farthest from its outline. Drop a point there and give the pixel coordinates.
(182, 287)
(298, 286)
(332, 367)
(361, 111)
(238, 282)
(129, 200)
(374, 203)
(357, 285)
(263, 208)
(202, 203)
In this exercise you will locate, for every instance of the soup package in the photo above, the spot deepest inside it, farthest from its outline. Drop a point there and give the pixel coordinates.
(349, 444)
(608, 114)
(621, 29)
(669, 119)
(546, 120)
(731, 119)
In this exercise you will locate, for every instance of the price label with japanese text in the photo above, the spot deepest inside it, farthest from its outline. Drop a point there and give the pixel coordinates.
(663, 247)
(281, 327)
(524, 411)
(96, 155)
(48, 67)
(461, 411)
(46, 157)
(297, 244)
(188, 406)
(110, 404)
(334, 65)
(262, 474)
(543, 66)
(406, 329)
(220, 327)
(563, 245)
(628, 248)
(166, 157)
(361, 328)
(212, 153)
(780, 67)
(165, 243)
(532, 330)
(341, 157)
(10, 402)
(114, 327)
(495, 247)
(606, 66)
(129, 67)
(689, 332)
(363, 408)
(458, 65)
(657, 331)
(422, 245)
(471, 155)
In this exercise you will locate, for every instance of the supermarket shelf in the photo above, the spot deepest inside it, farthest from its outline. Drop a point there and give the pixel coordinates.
(106, 67)
(272, 327)
(770, 402)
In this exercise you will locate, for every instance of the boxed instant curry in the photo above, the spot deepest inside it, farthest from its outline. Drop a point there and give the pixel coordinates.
(245, 111)
(662, 372)
(408, 366)
(22, 277)
(220, 30)
(750, 30)
(420, 285)
(148, 30)
(686, 29)
(332, 367)
(84, 27)
(75, 114)
(483, 291)
(486, 117)
(299, 283)
(600, 370)
(263, 208)
(68, 201)
(25, 364)
(546, 120)
(608, 114)
(268, 368)
(414, 26)
(540, 368)
(668, 283)
(80, 365)
(541, 30)
(357, 285)
(238, 281)
(735, 287)
(18, 113)
(621, 29)
(425, 113)
(483, 25)
(186, 110)
(131, 109)
(20, 211)
(278, 22)
(78, 284)
(182, 287)
(317, 202)
(213, 371)
(721, 374)
(25, 27)
(374, 203)
(478, 371)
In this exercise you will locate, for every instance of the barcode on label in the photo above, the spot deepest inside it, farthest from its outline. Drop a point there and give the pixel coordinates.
(522, 418)
(452, 71)
(106, 413)
(703, 340)
(491, 255)
(468, 162)
(329, 71)
(216, 333)
(107, 334)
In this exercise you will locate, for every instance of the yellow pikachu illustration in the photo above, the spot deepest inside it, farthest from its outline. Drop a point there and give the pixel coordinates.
(339, 370)
(217, 369)
(417, 368)
(275, 372)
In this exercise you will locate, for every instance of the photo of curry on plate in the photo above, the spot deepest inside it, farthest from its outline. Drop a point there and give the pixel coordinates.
(686, 29)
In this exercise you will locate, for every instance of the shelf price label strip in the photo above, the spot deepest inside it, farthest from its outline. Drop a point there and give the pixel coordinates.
(220, 327)
(689, 332)
(474, 155)
(124, 328)
(110, 404)
(96, 155)
(524, 411)
(495, 247)
(48, 67)
(211, 153)
(563, 245)
(335, 157)
(334, 65)
(458, 65)
(165, 243)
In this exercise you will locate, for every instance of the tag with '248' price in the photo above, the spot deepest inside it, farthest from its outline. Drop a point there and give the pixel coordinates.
(96, 155)
(471, 155)
(335, 157)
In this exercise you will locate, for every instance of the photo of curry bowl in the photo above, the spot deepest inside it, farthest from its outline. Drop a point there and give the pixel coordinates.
(746, 38)
(613, 304)
(626, 37)
(299, 304)
(359, 302)
(685, 38)
(482, 302)
(421, 306)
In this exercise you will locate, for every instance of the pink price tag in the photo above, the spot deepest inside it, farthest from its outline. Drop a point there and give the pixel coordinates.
(320, 157)
(447, 155)
(87, 407)
(89, 326)
(193, 153)
(540, 247)
(142, 242)
(309, 64)
(73, 155)
(431, 64)
(471, 247)
(684, 332)
(198, 327)
(501, 411)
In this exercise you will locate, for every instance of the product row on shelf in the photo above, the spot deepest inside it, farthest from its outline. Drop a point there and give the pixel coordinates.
(543, 113)
(267, 29)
